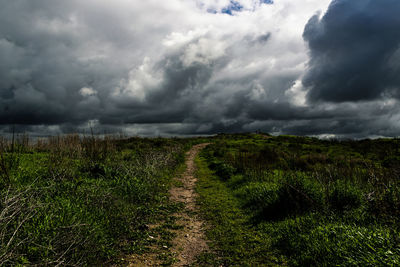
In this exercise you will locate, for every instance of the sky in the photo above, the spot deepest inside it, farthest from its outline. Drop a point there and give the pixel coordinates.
(192, 67)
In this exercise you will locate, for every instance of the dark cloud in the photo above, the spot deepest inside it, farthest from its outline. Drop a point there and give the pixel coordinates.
(354, 51)
(49, 51)
(68, 65)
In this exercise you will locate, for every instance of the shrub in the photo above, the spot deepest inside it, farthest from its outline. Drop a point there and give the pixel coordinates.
(237, 181)
(300, 193)
(345, 196)
(260, 196)
(222, 170)
(290, 196)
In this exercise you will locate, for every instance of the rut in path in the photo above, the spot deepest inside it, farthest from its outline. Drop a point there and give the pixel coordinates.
(190, 240)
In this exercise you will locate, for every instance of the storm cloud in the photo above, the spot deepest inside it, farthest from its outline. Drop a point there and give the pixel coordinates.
(355, 51)
(200, 66)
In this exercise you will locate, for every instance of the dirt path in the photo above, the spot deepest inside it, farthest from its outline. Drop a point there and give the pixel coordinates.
(190, 240)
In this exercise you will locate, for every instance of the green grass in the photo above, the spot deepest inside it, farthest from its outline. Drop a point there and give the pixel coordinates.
(85, 201)
(284, 200)
(235, 241)
(301, 201)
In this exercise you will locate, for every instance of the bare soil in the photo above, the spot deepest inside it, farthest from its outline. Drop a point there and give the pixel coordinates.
(190, 241)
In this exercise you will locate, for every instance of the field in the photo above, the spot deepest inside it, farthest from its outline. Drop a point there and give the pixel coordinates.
(83, 201)
(265, 201)
(301, 201)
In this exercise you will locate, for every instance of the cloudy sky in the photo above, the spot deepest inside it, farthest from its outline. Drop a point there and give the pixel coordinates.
(181, 67)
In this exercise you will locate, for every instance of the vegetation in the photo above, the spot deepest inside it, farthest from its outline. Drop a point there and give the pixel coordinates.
(83, 200)
(301, 201)
(285, 200)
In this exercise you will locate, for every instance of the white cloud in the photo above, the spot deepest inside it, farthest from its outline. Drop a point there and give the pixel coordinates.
(87, 91)
(142, 80)
(297, 94)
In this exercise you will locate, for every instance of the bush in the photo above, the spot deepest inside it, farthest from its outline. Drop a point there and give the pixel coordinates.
(222, 170)
(260, 196)
(301, 194)
(290, 196)
(345, 196)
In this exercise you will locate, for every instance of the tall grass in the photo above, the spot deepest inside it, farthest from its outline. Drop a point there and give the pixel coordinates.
(81, 200)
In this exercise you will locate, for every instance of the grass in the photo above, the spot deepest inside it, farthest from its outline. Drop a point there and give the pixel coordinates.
(301, 201)
(236, 242)
(85, 200)
(285, 200)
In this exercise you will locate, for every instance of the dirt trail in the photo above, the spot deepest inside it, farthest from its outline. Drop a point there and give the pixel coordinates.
(190, 240)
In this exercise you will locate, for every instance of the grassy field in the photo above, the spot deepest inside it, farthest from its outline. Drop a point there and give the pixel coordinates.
(301, 201)
(83, 200)
(297, 201)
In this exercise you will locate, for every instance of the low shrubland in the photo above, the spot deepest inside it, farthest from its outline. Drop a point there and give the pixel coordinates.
(317, 202)
(85, 200)
(82, 200)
